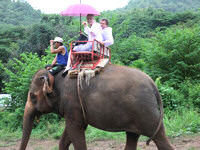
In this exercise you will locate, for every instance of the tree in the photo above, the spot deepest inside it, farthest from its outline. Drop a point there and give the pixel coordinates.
(18, 13)
(174, 55)
(168, 5)
(20, 72)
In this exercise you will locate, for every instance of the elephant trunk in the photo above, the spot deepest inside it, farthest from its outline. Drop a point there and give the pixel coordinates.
(28, 121)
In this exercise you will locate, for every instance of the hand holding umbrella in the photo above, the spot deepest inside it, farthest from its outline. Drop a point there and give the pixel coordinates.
(84, 23)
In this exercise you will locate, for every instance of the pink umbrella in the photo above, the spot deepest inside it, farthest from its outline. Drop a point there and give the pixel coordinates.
(80, 10)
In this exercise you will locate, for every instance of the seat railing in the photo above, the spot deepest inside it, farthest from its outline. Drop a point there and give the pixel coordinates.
(90, 58)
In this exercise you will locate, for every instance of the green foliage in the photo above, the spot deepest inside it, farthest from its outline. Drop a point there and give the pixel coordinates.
(172, 98)
(11, 120)
(182, 122)
(38, 40)
(175, 55)
(9, 36)
(185, 96)
(144, 21)
(129, 49)
(168, 5)
(177, 123)
(17, 13)
(191, 91)
(2, 75)
(97, 134)
(62, 25)
(20, 74)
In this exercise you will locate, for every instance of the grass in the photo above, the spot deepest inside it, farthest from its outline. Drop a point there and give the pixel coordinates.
(176, 123)
(97, 134)
(182, 122)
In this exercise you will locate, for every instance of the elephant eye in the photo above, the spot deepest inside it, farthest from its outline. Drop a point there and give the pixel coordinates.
(33, 98)
(32, 95)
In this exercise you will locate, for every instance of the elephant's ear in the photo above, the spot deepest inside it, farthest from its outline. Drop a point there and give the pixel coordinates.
(46, 89)
(45, 84)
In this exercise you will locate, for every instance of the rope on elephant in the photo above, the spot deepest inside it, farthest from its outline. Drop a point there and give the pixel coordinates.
(80, 78)
(79, 96)
(86, 74)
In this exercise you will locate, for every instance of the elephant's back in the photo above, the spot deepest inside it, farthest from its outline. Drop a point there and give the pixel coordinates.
(124, 78)
(127, 73)
(119, 94)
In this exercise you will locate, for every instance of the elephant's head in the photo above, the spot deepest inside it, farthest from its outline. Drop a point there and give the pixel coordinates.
(38, 102)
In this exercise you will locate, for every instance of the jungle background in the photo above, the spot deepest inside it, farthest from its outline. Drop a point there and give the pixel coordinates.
(159, 37)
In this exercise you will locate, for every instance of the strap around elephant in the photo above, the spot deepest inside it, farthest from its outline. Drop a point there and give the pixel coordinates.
(80, 99)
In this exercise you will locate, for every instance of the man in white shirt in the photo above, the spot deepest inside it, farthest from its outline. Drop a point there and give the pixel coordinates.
(93, 32)
(106, 33)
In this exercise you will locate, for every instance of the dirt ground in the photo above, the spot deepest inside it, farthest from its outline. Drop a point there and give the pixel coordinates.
(179, 143)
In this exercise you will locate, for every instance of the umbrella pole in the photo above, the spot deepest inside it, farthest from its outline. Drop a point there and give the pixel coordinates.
(80, 18)
(80, 22)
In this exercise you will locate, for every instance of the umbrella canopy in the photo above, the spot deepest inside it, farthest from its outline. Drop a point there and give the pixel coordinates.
(80, 10)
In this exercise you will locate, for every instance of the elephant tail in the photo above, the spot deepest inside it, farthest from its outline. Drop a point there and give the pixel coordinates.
(159, 100)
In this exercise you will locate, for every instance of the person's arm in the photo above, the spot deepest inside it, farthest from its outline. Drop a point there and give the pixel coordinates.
(53, 63)
(93, 30)
(86, 29)
(108, 37)
(54, 51)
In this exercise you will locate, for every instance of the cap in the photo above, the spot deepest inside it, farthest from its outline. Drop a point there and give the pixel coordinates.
(58, 39)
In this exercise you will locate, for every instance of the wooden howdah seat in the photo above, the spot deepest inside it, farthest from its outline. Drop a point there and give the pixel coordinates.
(91, 58)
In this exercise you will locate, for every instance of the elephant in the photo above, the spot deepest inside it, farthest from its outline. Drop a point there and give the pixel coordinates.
(118, 99)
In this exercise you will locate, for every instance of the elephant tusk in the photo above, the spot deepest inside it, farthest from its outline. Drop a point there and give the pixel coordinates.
(38, 120)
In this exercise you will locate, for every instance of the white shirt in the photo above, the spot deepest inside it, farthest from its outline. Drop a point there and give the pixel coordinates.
(94, 32)
(107, 36)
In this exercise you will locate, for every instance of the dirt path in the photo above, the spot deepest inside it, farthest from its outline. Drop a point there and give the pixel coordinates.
(179, 143)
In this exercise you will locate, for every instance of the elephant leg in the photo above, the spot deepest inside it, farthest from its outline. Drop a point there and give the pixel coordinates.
(131, 141)
(77, 136)
(161, 140)
(64, 141)
(75, 127)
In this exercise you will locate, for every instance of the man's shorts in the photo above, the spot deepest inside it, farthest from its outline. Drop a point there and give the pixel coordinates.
(57, 68)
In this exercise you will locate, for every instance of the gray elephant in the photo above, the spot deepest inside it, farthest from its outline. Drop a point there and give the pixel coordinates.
(118, 99)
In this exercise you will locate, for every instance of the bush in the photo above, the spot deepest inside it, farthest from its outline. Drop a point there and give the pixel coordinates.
(186, 96)
(11, 121)
(172, 99)
(191, 91)
(129, 50)
(20, 74)
(175, 55)
(184, 121)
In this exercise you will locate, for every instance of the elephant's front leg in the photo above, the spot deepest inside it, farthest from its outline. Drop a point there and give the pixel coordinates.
(64, 141)
(76, 132)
